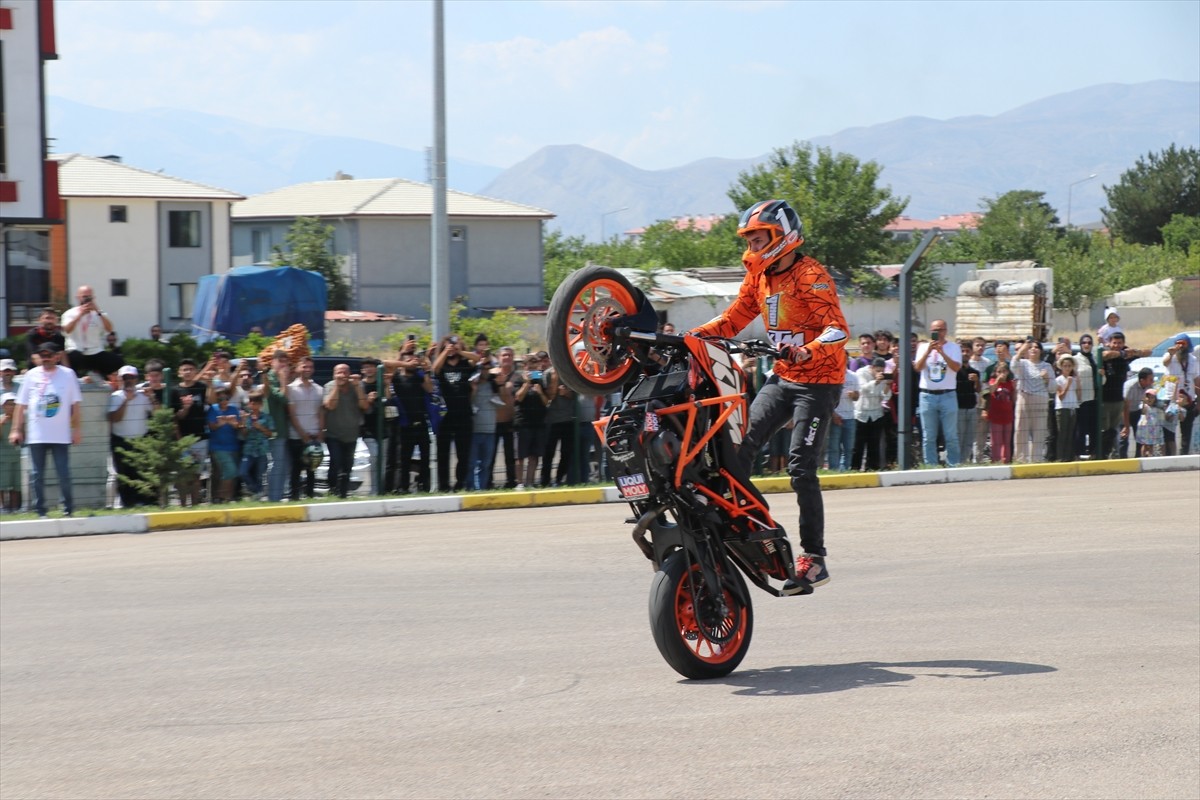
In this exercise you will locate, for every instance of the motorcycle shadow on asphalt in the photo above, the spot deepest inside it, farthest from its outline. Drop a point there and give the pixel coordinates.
(822, 678)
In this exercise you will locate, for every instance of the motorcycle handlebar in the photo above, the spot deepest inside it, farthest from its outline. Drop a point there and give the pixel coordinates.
(755, 347)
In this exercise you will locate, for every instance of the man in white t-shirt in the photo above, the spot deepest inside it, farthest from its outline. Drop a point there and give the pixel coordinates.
(48, 418)
(307, 417)
(938, 362)
(85, 328)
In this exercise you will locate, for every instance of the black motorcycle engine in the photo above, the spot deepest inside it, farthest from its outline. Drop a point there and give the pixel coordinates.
(662, 453)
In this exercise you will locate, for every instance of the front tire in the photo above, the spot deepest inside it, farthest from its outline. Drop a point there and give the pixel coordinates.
(579, 329)
(698, 641)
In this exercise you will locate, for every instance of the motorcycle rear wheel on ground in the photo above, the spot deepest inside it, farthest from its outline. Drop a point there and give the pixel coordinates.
(692, 634)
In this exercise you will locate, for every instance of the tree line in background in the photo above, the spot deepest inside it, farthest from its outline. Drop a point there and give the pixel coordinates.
(1153, 220)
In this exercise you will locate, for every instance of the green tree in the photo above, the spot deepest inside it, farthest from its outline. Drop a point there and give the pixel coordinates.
(158, 460)
(1150, 193)
(1128, 265)
(502, 327)
(1078, 280)
(1015, 226)
(1182, 233)
(836, 196)
(672, 247)
(307, 246)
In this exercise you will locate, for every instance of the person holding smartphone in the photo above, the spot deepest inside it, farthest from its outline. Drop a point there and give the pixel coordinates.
(85, 328)
(938, 362)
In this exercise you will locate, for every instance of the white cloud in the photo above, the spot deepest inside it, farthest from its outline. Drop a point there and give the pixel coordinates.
(590, 57)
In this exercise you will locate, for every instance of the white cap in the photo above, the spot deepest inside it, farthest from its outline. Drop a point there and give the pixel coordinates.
(127, 370)
(4, 398)
(8, 363)
(1111, 312)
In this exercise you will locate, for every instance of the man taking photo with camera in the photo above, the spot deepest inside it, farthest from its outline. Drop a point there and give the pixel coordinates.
(86, 327)
(938, 362)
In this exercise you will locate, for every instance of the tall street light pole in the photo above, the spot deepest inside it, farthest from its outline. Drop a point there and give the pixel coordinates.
(439, 266)
(607, 214)
(1070, 189)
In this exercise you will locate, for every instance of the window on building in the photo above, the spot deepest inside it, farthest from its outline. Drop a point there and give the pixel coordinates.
(260, 244)
(183, 228)
(26, 274)
(119, 287)
(118, 214)
(180, 297)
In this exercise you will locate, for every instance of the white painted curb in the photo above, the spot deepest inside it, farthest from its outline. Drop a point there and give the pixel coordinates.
(912, 477)
(1165, 463)
(421, 505)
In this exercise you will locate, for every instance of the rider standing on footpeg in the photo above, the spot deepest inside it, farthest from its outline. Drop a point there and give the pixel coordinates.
(799, 305)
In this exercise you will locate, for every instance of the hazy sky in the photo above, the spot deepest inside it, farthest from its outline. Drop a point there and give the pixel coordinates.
(658, 84)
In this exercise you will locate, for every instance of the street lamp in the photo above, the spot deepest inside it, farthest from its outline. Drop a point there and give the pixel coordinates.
(607, 214)
(1069, 190)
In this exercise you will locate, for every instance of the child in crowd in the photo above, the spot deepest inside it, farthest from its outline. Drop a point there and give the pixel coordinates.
(1151, 426)
(224, 423)
(1066, 406)
(999, 412)
(258, 429)
(1112, 324)
(10, 457)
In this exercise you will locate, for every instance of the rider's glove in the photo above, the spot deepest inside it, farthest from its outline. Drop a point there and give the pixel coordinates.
(794, 353)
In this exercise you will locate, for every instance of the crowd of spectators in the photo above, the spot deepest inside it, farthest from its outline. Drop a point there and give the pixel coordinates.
(1023, 405)
(453, 417)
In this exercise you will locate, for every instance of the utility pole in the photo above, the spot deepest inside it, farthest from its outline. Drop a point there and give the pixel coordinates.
(904, 358)
(439, 269)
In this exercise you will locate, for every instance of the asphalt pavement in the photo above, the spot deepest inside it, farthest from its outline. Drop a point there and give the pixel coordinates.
(1003, 639)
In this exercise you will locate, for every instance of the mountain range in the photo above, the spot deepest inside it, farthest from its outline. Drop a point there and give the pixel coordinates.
(944, 166)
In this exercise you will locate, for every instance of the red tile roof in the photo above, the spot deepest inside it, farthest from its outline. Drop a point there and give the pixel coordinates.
(947, 222)
(359, 316)
(703, 223)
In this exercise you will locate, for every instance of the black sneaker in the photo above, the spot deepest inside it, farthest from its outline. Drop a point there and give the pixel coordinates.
(810, 573)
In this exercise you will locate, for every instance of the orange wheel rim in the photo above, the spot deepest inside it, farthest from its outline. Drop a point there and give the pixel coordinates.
(713, 645)
(589, 330)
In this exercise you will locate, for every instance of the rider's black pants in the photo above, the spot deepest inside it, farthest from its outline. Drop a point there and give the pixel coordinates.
(811, 406)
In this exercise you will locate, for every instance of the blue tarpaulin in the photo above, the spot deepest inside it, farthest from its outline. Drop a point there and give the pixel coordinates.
(269, 298)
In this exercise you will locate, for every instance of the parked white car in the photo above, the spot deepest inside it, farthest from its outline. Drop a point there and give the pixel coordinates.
(1155, 360)
(360, 473)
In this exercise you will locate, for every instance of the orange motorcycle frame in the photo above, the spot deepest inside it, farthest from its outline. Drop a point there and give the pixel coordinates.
(743, 504)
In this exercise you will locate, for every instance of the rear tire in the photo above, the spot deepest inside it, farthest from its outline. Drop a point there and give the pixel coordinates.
(578, 329)
(692, 639)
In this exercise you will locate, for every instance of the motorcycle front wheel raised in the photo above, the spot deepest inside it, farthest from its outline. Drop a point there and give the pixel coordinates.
(694, 635)
(579, 329)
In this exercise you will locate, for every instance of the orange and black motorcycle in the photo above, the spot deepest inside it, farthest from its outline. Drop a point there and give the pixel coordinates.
(671, 446)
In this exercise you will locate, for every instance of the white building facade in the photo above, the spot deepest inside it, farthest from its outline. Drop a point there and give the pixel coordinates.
(141, 240)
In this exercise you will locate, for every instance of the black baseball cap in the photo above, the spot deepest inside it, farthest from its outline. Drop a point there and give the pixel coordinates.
(49, 347)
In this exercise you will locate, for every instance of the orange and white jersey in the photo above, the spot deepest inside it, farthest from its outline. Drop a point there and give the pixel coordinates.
(799, 307)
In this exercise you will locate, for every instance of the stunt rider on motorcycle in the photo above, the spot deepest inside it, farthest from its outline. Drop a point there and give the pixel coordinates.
(799, 305)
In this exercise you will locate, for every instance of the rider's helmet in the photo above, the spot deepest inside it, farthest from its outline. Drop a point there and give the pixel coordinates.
(314, 454)
(781, 221)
